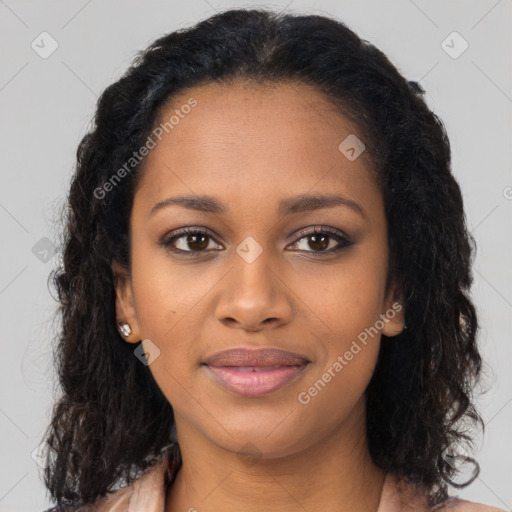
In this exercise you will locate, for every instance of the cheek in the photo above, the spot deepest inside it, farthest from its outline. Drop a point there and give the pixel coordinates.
(348, 346)
(167, 302)
(346, 306)
(346, 298)
(166, 293)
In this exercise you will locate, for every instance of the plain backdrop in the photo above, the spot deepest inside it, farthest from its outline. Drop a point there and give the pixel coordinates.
(46, 105)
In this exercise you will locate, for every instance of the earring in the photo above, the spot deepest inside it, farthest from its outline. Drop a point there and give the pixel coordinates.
(124, 329)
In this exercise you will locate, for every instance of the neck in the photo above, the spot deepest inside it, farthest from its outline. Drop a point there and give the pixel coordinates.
(335, 473)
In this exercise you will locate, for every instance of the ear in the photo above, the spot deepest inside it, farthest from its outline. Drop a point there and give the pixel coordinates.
(125, 305)
(394, 312)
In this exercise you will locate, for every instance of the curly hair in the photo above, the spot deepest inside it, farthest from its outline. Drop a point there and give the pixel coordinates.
(112, 422)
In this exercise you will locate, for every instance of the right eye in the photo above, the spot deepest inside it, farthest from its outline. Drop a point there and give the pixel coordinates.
(193, 241)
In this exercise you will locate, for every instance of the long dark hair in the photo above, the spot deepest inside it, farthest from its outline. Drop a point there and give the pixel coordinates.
(112, 422)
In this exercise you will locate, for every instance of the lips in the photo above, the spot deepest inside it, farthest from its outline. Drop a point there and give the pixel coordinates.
(256, 358)
(252, 373)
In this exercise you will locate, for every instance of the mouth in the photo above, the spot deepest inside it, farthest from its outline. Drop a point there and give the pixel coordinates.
(252, 373)
(252, 382)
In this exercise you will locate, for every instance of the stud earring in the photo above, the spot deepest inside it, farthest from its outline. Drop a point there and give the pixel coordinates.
(124, 329)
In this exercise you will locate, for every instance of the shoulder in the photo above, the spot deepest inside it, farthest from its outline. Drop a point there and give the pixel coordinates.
(144, 494)
(459, 505)
(401, 496)
(114, 504)
(68, 508)
(117, 501)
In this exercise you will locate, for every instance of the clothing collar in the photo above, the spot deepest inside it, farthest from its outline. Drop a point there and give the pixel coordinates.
(148, 494)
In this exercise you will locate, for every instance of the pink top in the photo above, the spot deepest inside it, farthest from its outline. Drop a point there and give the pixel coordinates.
(147, 494)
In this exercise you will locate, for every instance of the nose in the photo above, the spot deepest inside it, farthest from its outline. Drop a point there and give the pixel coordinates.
(254, 296)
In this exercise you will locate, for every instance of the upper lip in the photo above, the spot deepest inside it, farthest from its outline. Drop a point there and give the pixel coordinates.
(242, 356)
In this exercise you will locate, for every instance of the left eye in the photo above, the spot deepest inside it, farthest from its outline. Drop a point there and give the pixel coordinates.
(320, 240)
(197, 241)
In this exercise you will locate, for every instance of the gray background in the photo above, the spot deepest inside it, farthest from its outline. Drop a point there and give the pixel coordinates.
(46, 105)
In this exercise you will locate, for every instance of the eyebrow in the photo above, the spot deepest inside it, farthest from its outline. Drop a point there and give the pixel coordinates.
(298, 204)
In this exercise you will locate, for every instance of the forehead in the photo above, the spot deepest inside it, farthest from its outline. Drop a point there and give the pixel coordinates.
(254, 113)
(280, 138)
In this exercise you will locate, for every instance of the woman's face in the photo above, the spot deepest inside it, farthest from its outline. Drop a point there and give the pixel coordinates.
(259, 277)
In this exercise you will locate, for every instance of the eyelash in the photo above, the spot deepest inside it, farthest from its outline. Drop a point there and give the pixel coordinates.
(167, 241)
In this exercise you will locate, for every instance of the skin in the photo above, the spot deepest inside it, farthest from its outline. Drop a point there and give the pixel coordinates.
(250, 148)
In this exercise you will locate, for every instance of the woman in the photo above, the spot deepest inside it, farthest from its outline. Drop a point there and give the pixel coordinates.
(264, 290)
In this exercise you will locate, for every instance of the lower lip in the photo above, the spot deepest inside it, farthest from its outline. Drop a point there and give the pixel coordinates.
(254, 383)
